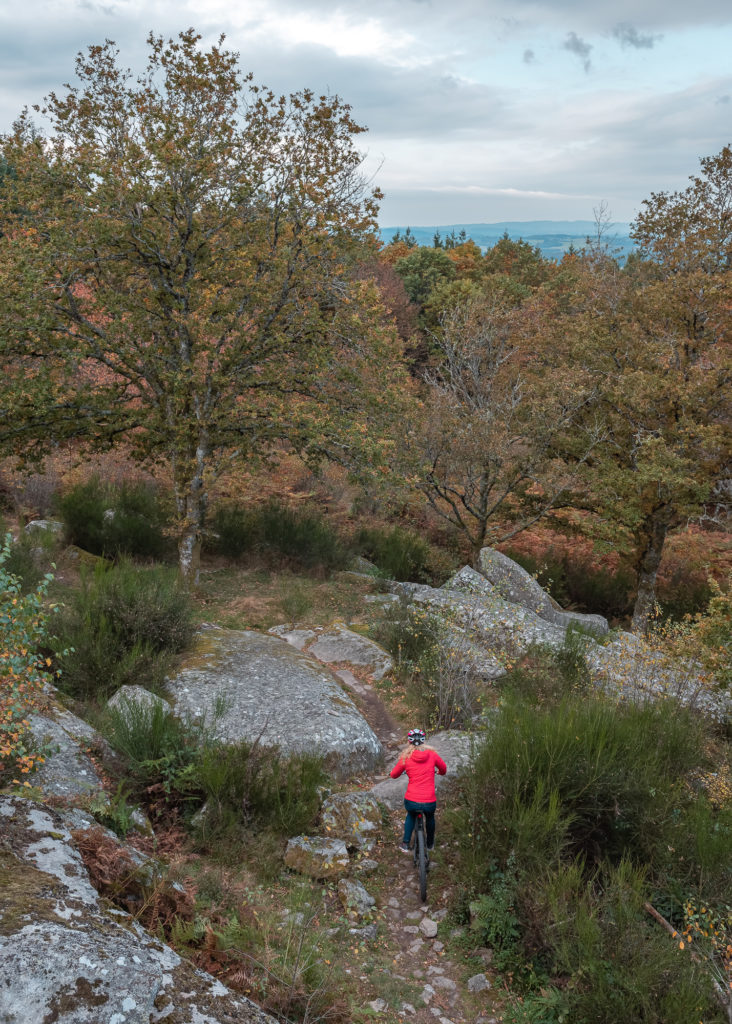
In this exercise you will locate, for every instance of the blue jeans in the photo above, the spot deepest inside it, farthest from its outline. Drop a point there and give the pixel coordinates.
(411, 820)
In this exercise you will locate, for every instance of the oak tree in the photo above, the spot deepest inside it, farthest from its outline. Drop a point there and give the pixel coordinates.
(175, 272)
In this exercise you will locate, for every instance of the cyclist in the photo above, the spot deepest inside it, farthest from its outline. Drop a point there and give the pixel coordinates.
(420, 763)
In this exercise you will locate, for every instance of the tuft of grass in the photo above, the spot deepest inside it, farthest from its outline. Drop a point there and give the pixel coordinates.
(244, 784)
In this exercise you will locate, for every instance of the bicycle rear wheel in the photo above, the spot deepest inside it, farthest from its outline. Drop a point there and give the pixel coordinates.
(421, 857)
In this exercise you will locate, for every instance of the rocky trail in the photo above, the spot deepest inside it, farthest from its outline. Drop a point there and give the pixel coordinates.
(418, 980)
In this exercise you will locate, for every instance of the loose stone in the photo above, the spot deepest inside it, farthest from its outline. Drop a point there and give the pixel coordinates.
(478, 983)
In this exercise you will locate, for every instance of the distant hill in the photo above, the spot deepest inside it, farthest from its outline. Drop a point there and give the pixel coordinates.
(552, 237)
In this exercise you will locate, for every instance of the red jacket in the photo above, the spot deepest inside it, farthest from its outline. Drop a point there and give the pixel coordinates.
(420, 768)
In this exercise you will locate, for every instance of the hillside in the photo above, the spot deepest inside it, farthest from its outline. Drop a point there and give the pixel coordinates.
(552, 237)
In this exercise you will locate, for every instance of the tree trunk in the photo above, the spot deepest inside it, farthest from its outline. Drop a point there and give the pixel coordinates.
(189, 556)
(191, 501)
(647, 567)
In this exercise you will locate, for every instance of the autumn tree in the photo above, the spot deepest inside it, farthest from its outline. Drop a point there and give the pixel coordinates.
(656, 341)
(496, 406)
(175, 273)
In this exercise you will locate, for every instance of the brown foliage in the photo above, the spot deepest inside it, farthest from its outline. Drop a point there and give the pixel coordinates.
(152, 900)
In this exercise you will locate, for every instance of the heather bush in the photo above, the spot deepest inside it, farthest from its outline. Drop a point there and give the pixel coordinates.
(580, 778)
(124, 624)
(580, 583)
(398, 553)
(279, 534)
(576, 816)
(245, 784)
(113, 521)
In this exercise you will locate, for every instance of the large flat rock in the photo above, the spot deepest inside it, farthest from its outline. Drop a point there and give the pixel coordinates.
(251, 686)
(67, 771)
(338, 645)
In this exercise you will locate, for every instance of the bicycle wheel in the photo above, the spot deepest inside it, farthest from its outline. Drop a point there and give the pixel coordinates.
(421, 851)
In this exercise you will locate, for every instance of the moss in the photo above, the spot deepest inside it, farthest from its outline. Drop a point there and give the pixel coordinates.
(26, 895)
(67, 999)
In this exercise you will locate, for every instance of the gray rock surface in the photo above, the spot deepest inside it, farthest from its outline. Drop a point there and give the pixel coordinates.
(338, 645)
(468, 581)
(45, 525)
(496, 630)
(317, 857)
(273, 693)
(630, 667)
(353, 817)
(454, 748)
(514, 584)
(67, 958)
(67, 771)
(354, 897)
(478, 983)
(137, 695)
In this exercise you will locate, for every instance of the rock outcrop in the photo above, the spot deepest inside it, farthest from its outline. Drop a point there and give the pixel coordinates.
(515, 585)
(67, 770)
(337, 645)
(353, 817)
(248, 686)
(67, 958)
(493, 632)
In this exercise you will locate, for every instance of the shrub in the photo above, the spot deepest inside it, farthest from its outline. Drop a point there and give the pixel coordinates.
(23, 675)
(294, 536)
(546, 675)
(302, 537)
(106, 520)
(579, 582)
(399, 554)
(29, 557)
(436, 664)
(157, 746)
(82, 510)
(584, 778)
(408, 633)
(706, 637)
(234, 531)
(137, 524)
(495, 921)
(616, 964)
(246, 784)
(123, 625)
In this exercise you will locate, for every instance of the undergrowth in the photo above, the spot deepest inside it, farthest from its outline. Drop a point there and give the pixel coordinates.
(123, 625)
(575, 818)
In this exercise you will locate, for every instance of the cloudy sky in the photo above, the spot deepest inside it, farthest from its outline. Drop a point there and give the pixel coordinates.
(477, 110)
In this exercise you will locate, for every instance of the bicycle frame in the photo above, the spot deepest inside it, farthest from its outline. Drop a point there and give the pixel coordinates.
(421, 856)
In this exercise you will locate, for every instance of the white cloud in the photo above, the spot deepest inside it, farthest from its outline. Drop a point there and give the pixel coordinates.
(472, 102)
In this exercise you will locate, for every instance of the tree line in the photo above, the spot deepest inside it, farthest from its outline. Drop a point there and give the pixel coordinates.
(189, 267)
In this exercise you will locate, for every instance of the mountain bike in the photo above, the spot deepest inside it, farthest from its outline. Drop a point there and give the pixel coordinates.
(421, 857)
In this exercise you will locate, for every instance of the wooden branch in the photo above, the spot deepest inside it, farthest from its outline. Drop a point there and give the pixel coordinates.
(723, 998)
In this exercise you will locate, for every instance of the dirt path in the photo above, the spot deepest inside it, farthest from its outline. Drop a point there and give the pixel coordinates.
(414, 975)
